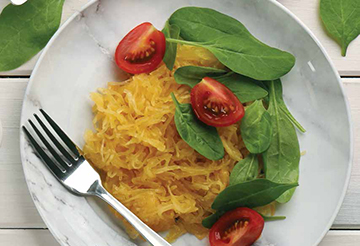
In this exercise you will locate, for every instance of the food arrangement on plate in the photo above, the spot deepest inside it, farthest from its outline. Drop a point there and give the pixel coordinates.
(198, 137)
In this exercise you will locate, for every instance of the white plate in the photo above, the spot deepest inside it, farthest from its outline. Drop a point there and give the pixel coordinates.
(78, 60)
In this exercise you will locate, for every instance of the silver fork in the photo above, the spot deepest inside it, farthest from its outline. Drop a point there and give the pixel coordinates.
(76, 174)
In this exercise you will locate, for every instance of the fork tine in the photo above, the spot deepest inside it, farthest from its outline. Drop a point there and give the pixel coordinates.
(61, 134)
(50, 148)
(49, 163)
(55, 141)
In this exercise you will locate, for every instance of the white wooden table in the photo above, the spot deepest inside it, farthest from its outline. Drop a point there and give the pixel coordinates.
(20, 223)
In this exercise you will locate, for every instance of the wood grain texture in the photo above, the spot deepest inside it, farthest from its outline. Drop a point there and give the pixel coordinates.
(349, 215)
(16, 207)
(44, 237)
(306, 10)
(27, 237)
(343, 238)
(17, 210)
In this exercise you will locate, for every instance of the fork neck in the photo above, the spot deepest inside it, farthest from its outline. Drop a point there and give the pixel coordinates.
(96, 189)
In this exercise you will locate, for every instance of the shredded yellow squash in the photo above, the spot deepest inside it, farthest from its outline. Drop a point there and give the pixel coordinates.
(142, 159)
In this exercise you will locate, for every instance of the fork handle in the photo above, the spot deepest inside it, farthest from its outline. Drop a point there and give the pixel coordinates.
(150, 235)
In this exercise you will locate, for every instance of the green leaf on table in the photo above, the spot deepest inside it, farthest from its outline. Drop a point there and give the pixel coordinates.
(201, 137)
(231, 43)
(281, 159)
(170, 31)
(254, 193)
(26, 29)
(245, 170)
(342, 20)
(246, 89)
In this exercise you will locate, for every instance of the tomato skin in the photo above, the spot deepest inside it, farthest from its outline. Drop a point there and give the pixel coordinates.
(215, 104)
(141, 50)
(244, 235)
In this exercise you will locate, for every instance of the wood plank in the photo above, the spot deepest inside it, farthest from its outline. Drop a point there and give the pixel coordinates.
(70, 7)
(12, 92)
(306, 10)
(343, 238)
(27, 237)
(18, 209)
(349, 216)
(44, 237)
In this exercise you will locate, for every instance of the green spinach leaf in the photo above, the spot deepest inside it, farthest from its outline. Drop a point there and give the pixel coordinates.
(245, 170)
(231, 43)
(291, 117)
(342, 20)
(246, 89)
(191, 75)
(281, 159)
(256, 130)
(170, 31)
(26, 29)
(254, 193)
(283, 107)
(211, 219)
(201, 137)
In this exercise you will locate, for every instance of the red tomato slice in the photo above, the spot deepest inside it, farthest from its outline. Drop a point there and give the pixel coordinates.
(141, 50)
(239, 227)
(214, 104)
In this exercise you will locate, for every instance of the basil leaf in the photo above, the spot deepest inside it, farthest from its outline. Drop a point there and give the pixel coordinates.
(245, 170)
(281, 159)
(341, 19)
(256, 130)
(246, 89)
(201, 137)
(170, 31)
(254, 193)
(26, 29)
(272, 218)
(231, 43)
(191, 75)
(209, 221)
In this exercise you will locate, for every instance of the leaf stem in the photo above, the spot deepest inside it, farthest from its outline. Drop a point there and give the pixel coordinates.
(343, 50)
(272, 218)
(293, 120)
(181, 41)
(174, 99)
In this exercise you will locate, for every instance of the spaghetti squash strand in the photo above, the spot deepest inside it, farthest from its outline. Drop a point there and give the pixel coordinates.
(142, 159)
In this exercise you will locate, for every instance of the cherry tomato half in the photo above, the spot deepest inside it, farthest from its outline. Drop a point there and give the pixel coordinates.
(214, 104)
(239, 227)
(141, 50)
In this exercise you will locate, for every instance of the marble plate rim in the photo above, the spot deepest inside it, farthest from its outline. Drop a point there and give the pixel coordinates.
(291, 15)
